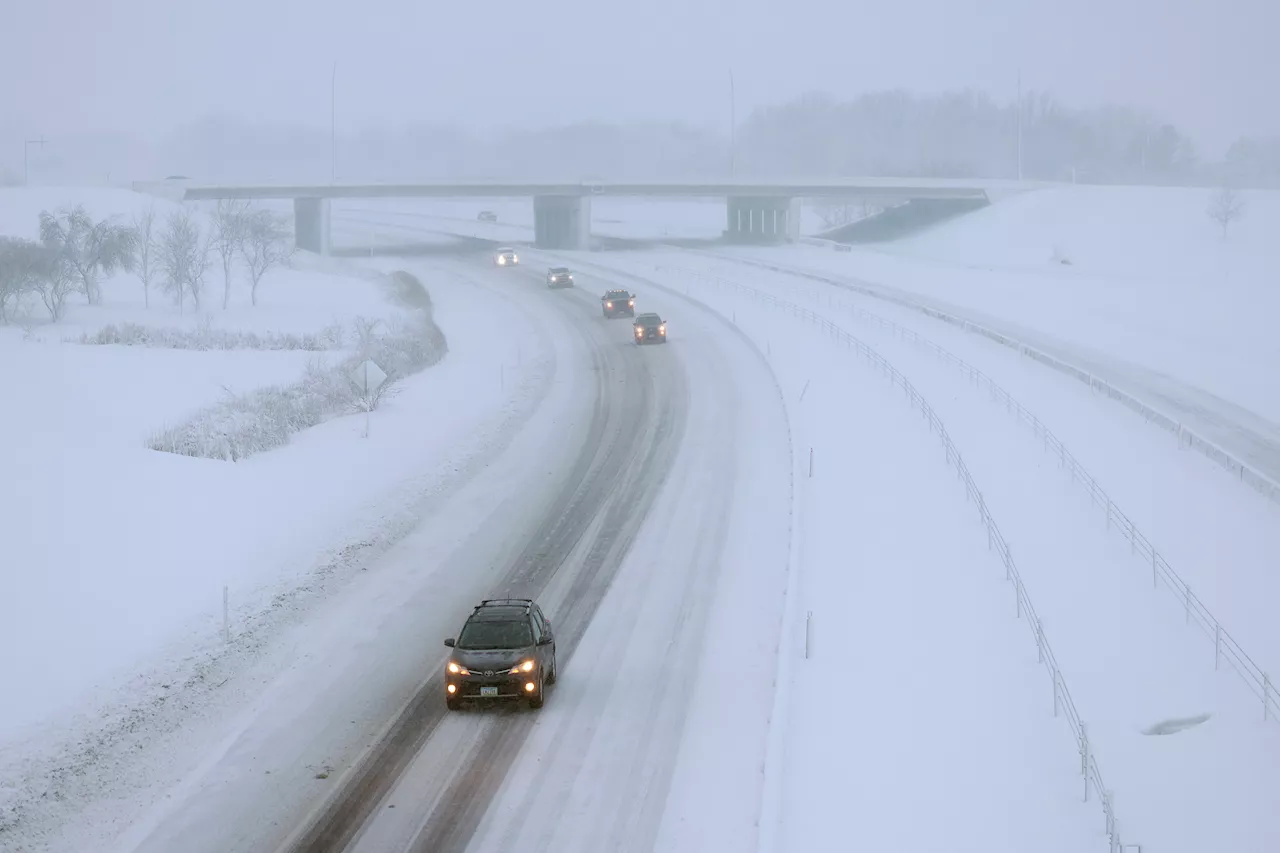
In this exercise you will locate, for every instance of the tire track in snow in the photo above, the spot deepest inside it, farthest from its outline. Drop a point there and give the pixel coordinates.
(459, 811)
(604, 772)
(626, 413)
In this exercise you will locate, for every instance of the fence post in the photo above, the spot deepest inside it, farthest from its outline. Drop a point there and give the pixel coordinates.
(1039, 642)
(1084, 758)
(808, 633)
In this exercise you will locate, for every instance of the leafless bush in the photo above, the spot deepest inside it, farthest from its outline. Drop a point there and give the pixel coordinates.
(207, 338)
(183, 258)
(89, 248)
(228, 238)
(265, 418)
(1225, 207)
(145, 242)
(23, 265)
(265, 244)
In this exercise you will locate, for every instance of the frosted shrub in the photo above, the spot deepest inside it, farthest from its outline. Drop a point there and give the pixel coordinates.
(206, 338)
(263, 419)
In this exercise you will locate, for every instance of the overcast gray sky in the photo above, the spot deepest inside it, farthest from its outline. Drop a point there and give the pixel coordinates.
(147, 66)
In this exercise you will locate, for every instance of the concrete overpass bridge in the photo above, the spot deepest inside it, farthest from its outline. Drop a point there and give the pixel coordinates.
(757, 211)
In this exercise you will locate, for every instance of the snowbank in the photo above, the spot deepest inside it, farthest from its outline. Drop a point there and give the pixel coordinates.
(1151, 278)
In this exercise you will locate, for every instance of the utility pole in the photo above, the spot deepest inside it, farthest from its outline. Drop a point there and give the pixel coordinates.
(1019, 124)
(733, 127)
(333, 125)
(26, 160)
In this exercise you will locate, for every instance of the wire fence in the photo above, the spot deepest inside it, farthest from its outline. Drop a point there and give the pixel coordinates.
(1226, 649)
(1186, 437)
(1063, 704)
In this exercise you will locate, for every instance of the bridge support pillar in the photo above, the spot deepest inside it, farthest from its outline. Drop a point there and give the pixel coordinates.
(562, 222)
(311, 224)
(763, 220)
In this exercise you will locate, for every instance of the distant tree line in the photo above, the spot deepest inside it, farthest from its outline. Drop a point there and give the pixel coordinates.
(891, 133)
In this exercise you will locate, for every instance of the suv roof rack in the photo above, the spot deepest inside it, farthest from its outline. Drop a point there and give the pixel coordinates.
(526, 602)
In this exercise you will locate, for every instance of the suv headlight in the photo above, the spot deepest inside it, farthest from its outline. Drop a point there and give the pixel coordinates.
(458, 669)
(526, 666)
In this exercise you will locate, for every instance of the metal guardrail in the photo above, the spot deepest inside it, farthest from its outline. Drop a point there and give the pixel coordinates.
(1187, 437)
(1226, 648)
(1063, 703)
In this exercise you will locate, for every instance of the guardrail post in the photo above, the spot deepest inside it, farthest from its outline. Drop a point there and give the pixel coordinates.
(1266, 696)
(1186, 589)
(1017, 595)
(1217, 643)
(1055, 693)
(1108, 512)
(1155, 573)
(1039, 642)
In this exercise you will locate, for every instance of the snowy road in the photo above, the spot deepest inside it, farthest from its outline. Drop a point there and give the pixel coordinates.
(577, 544)
(644, 475)
(606, 765)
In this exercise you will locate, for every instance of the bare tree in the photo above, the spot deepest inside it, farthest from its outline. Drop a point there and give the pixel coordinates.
(21, 264)
(266, 244)
(90, 248)
(183, 258)
(145, 241)
(50, 275)
(1225, 207)
(228, 237)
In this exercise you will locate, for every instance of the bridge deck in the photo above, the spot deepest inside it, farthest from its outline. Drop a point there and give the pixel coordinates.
(888, 188)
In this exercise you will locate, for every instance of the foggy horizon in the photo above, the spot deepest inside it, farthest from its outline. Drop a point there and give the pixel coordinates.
(506, 67)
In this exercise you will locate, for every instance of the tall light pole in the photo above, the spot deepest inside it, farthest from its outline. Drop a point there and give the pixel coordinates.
(733, 127)
(26, 151)
(333, 125)
(1019, 124)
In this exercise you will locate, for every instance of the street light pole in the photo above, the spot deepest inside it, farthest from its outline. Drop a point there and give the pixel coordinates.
(733, 127)
(1019, 124)
(26, 152)
(333, 125)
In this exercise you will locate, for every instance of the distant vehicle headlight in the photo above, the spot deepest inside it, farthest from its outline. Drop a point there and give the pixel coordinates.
(608, 305)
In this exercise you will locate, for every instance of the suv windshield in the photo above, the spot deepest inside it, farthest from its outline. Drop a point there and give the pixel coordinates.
(617, 294)
(481, 635)
(648, 320)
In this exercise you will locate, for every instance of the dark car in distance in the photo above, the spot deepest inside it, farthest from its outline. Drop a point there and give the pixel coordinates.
(618, 303)
(559, 277)
(505, 650)
(650, 329)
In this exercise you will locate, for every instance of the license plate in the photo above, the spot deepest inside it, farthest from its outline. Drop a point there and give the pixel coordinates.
(488, 691)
